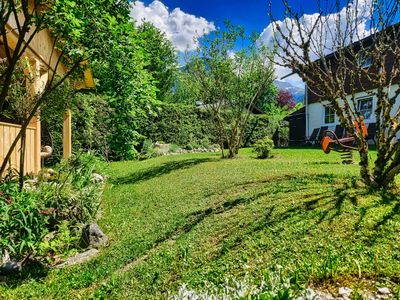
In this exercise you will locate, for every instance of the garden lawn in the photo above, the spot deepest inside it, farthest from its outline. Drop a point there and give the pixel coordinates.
(197, 219)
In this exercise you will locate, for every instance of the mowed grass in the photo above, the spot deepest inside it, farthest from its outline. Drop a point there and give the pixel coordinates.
(195, 219)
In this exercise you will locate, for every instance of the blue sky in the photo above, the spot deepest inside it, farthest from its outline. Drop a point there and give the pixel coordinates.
(252, 14)
(184, 22)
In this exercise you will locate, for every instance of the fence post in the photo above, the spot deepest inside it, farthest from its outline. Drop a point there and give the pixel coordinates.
(67, 135)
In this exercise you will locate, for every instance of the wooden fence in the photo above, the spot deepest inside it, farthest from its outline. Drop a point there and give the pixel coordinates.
(8, 132)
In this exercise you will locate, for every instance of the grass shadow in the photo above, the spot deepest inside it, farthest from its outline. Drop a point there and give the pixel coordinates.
(32, 270)
(164, 169)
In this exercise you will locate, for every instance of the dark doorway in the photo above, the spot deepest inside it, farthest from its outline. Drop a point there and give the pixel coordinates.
(297, 127)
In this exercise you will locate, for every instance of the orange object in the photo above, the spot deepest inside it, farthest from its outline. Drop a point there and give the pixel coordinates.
(326, 141)
(363, 127)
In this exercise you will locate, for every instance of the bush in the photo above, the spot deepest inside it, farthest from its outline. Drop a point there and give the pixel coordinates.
(183, 125)
(147, 150)
(264, 147)
(59, 203)
(22, 221)
(72, 194)
(91, 125)
(260, 126)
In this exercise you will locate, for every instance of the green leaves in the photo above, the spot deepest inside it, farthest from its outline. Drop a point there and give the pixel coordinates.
(231, 81)
(86, 25)
(161, 58)
(22, 225)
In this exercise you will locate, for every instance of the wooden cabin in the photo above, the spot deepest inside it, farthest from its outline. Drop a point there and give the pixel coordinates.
(42, 59)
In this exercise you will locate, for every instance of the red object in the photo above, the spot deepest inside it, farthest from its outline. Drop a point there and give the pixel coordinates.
(363, 127)
(325, 143)
(328, 142)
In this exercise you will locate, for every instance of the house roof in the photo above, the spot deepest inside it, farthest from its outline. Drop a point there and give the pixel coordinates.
(365, 42)
(42, 48)
(296, 113)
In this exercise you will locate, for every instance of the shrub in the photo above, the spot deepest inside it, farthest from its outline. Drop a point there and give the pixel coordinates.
(174, 148)
(72, 194)
(264, 147)
(91, 125)
(22, 221)
(147, 150)
(183, 125)
(260, 126)
(58, 203)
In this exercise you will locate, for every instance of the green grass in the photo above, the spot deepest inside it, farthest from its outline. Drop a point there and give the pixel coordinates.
(197, 218)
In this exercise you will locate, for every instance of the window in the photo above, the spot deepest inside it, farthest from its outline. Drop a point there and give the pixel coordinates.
(365, 61)
(329, 116)
(365, 107)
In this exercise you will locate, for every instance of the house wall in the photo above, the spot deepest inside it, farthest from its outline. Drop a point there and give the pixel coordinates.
(315, 111)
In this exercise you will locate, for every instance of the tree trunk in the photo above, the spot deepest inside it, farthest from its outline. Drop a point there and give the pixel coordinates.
(364, 166)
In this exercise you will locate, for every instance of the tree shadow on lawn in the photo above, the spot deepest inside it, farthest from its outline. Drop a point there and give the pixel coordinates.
(196, 217)
(165, 168)
(329, 206)
(329, 203)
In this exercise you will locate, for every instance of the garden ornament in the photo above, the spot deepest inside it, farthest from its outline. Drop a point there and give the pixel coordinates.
(345, 146)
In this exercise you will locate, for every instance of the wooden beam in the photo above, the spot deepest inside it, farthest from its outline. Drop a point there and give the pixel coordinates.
(67, 135)
(35, 122)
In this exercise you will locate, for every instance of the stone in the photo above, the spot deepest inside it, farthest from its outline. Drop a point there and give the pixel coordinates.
(6, 257)
(30, 184)
(310, 294)
(383, 291)
(367, 295)
(79, 258)
(9, 268)
(162, 149)
(97, 178)
(345, 292)
(51, 172)
(93, 237)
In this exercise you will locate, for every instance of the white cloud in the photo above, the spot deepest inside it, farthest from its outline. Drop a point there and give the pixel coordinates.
(327, 32)
(182, 29)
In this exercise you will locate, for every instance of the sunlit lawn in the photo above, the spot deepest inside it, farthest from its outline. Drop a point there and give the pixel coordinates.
(196, 218)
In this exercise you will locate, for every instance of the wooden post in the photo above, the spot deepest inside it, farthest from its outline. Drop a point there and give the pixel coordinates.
(67, 135)
(35, 122)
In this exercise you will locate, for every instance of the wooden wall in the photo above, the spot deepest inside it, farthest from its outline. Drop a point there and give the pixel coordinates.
(8, 132)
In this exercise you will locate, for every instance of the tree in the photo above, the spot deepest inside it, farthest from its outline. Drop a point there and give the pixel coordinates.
(129, 87)
(355, 64)
(230, 81)
(285, 99)
(80, 30)
(185, 90)
(161, 58)
(268, 98)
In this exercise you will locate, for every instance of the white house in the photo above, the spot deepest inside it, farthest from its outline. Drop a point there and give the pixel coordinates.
(319, 114)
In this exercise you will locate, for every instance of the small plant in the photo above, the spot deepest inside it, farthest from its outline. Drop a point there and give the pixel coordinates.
(264, 147)
(174, 148)
(189, 147)
(59, 203)
(23, 222)
(147, 150)
(62, 242)
(273, 286)
(72, 194)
